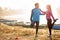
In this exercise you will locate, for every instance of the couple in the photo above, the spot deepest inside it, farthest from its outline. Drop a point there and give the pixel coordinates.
(35, 15)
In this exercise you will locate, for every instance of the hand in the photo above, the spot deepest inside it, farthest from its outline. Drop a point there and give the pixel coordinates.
(30, 19)
(55, 20)
(42, 14)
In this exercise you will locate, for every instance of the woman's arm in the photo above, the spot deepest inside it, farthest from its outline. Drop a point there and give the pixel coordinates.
(52, 16)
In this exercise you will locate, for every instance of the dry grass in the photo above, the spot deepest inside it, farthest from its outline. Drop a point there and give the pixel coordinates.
(20, 33)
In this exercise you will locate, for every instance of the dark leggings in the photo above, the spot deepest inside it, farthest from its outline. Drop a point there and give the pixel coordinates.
(50, 25)
(37, 25)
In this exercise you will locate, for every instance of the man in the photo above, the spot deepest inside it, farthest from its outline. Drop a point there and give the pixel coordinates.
(35, 17)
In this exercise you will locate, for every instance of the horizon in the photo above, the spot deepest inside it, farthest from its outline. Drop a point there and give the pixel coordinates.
(21, 9)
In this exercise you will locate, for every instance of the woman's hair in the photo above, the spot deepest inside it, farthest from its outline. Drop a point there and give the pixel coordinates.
(49, 6)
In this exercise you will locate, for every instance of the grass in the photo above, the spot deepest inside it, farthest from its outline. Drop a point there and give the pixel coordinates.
(21, 33)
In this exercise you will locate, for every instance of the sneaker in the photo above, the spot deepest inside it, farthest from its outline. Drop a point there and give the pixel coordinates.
(35, 37)
(49, 36)
(55, 20)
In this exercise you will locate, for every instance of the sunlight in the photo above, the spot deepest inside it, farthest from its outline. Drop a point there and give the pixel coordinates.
(27, 6)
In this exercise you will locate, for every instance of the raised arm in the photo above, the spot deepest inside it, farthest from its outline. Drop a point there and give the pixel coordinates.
(42, 12)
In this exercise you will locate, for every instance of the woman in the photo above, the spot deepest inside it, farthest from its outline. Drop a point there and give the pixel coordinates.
(49, 17)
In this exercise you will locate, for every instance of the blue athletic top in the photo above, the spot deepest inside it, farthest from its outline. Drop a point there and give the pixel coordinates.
(36, 14)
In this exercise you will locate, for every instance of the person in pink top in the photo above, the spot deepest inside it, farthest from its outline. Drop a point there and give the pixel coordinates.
(49, 17)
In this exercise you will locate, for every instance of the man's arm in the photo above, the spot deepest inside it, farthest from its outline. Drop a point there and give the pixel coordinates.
(42, 12)
(31, 15)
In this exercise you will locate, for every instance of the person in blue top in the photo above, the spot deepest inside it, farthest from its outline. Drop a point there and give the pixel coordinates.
(35, 16)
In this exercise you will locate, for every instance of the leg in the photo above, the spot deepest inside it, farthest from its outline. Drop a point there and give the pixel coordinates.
(53, 23)
(37, 25)
(49, 25)
(32, 24)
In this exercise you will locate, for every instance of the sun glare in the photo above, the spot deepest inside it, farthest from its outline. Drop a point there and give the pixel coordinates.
(27, 6)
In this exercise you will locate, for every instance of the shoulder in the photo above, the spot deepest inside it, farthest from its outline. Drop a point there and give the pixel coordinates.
(33, 9)
(39, 9)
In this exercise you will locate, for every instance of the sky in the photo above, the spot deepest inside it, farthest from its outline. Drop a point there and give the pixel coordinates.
(25, 7)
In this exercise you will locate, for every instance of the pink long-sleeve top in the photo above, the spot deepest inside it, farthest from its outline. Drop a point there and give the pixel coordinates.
(49, 15)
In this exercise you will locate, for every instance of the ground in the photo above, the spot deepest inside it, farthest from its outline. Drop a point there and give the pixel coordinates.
(20, 33)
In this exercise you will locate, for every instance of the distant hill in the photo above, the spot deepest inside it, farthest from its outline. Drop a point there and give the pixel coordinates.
(5, 20)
